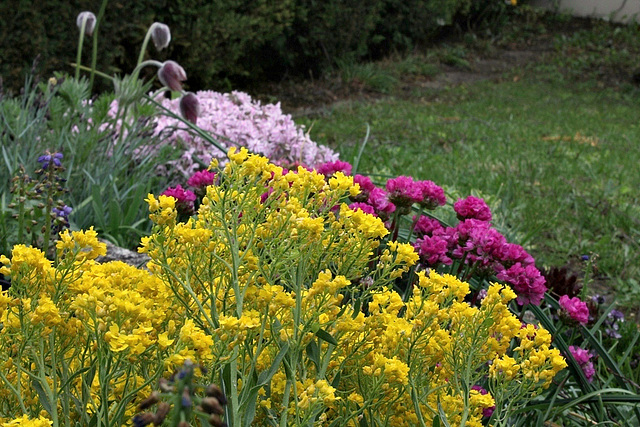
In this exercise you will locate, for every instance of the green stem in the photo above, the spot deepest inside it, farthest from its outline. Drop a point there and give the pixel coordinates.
(80, 43)
(94, 52)
(144, 46)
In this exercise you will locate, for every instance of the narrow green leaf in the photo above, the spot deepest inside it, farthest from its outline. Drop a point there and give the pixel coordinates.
(326, 336)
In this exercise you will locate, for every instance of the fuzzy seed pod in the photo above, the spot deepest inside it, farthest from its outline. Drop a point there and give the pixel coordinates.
(171, 75)
(91, 22)
(153, 398)
(160, 34)
(212, 406)
(190, 107)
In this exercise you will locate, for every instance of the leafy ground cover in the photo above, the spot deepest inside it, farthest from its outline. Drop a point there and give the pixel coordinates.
(544, 121)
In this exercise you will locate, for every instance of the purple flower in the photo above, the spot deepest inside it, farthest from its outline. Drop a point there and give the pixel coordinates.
(432, 250)
(184, 199)
(486, 412)
(583, 357)
(329, 168)
(381, 204)
(527, 282)
(575, 309)
(472, 207)
(366, 186)
(201, 179)
(364, 207)
(432, 195)
(62, 212)
(426, 226)
(49, 158)
(172, 75)
(404, 191)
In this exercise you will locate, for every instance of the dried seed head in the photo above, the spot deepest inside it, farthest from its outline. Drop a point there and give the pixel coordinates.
(215, 421)
(161, 413)
(211, 406)
(141, 420)
(190, 107)
(215, 391)
(164, 386)
(90, 19)
(160, 34)
(171, 75)
(153, 398)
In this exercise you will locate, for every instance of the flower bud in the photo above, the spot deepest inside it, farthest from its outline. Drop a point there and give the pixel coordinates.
(190, 107)
(91, 22)
(160, 34)
(171, 74)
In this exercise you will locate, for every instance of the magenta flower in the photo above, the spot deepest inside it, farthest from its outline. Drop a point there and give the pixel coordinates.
(366, 186)
(527, 282)
(329, 168)
(486, 412)
(426, 226)
(432, 250)
(432, 195)
(583, 357)
(364, 207)
(575, 309)
(184, 199)
(201, 179)
(381, 204)
(172, 75)
(472, 207)
(404, 191)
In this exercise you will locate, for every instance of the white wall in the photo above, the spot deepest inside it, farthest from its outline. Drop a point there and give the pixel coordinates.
(616, 10)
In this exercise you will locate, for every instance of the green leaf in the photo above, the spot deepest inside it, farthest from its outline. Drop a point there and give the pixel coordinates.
(326, 336)
(44, 397)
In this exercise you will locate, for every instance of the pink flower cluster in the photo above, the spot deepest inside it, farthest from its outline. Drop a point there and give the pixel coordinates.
(473, 241)
(404, 192)
(477, 244)
(200, 180)
(583, 357)
(472, 208)
(235, 119)
(575, 309)
(184, 199)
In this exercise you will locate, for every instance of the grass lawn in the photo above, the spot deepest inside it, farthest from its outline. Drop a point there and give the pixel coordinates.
(556, 159)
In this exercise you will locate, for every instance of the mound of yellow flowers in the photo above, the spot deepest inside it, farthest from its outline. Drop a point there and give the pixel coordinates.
(285, 295)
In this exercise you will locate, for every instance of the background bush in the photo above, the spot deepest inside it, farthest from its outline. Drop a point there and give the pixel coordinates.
(228, 42)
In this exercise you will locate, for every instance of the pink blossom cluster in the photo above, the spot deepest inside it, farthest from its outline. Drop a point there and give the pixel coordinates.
(486, 250)
(472, 208)
(473, 241)
(184, 199)
(583, 357)
(200, 180)
(575, 309)
(235, 119)
(403, 192)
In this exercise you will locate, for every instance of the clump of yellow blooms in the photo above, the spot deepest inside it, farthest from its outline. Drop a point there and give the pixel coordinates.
(281, 290)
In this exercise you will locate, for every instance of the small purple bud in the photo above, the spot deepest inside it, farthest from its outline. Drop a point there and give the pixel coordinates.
(160, 34)
(190, 107)
(91, 22)
(171, 74)
(585, 257)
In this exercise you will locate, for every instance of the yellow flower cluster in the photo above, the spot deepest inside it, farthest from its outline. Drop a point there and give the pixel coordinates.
(283, 291)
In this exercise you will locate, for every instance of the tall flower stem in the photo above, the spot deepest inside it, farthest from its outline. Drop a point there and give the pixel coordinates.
(94, 52)
(80, 43)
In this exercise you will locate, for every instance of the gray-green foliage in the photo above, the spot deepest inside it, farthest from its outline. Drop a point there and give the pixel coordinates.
(108, 170)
